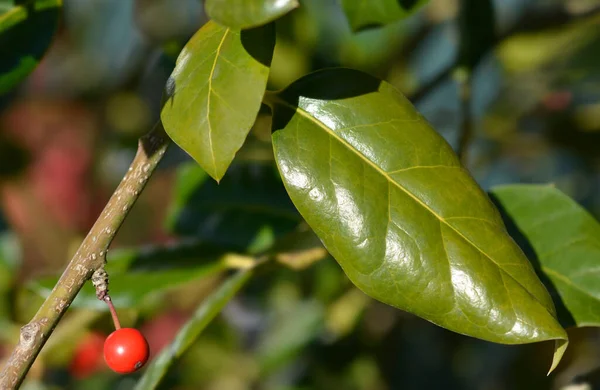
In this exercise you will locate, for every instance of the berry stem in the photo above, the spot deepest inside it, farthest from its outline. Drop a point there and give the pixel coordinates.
(113, 312)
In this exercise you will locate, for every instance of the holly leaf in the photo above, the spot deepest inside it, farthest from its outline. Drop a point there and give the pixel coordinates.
(242, 14)
(566, 241)
(408, 224)
(213, 96)
(363, 14)
(26, 31)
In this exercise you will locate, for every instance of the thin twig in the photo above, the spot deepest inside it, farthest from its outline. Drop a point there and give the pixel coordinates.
(463, 78)
(90, 256)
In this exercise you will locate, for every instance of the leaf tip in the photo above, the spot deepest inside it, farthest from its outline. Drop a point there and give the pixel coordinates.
(216, 176)
(560, 346)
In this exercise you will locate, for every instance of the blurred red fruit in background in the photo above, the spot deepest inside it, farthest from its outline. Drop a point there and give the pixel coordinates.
(88, 357)
(161, 330)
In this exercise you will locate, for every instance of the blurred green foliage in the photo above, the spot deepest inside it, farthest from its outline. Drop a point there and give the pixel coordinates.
(26, 30)
(536, 115)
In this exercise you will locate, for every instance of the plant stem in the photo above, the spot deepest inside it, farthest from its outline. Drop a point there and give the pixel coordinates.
(113, 312)
(463, 78)
(90, 256)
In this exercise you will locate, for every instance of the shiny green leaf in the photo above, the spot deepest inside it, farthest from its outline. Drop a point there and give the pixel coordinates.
(408, 224)
(26, 31)
(566, 241)
(137, 274)
(363, 14)
(213, 96)
(240, 14)
(248, 210)
(205, 313)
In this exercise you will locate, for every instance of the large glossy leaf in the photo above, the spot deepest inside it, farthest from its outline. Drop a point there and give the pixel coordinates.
(248, 210)
(26, 31)
(214, 93)
(205, 313)
(137, 274)
(240, 14)
(363, 14)
(566, 240)
(406, 222)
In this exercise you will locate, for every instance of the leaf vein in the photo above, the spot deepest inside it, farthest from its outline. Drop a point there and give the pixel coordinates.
(567, 281)
(425, 167)
(210, 90)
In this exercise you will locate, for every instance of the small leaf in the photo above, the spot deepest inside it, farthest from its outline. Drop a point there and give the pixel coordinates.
(363, 14)
(26, 31)
(410, 227)
(241, 14)
(214, 93)
(137, 274)
(566, 240)
(248, 210)
(205, 313)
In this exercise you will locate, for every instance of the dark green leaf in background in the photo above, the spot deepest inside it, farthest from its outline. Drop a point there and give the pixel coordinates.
(477, 31)
(248, 210)
(26, 31)
(363, 14)
(138, 273)
(241, 14)
(214, 94)
(205, 313)
(566, 240)
(391, 202)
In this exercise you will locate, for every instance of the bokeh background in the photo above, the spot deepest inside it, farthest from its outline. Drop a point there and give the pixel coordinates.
(68, 134)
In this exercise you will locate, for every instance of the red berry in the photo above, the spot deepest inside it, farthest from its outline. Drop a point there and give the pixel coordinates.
(126, 350)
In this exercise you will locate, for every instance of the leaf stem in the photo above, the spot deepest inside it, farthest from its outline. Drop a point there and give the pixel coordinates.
(90, 256)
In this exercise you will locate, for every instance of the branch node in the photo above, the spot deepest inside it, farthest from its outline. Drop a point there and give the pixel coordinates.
(100, 282)
(28, 335)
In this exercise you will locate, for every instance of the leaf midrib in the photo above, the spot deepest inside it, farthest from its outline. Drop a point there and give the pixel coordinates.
(306, 115)
(210, 91)
(565, 279)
